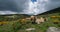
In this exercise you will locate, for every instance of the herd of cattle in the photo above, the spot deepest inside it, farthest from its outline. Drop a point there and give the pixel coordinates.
(32, 19)
(35, 19)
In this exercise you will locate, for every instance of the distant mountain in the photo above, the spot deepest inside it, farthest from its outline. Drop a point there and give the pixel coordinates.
(57, 10)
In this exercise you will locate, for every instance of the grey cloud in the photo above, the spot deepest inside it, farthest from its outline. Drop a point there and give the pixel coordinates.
(46, 5)
(20, 6)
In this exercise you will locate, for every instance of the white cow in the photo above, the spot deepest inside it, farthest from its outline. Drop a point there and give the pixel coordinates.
(39, 20)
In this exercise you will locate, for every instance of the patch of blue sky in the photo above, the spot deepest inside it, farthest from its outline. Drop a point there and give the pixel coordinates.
(34, 0)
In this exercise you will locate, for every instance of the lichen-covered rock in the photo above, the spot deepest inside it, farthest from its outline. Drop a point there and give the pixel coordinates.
(53, 29)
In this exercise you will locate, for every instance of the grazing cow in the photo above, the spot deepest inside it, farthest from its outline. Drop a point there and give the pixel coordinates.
(39, 20)
(33, 19)
(42, 19)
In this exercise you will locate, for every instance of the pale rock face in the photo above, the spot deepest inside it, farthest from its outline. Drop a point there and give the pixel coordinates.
(53, 29)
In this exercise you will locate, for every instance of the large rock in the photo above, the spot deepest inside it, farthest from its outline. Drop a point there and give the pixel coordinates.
(53, 29)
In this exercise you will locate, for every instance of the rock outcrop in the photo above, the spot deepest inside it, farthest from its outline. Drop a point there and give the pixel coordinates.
(53, 29)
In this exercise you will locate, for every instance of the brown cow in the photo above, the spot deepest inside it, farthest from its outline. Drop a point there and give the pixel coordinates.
(33, 19)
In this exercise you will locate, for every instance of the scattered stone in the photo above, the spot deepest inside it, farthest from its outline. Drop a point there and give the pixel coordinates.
(29, 29)
(53, 29)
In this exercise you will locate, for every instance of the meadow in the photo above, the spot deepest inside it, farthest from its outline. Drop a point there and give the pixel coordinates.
(14, 24)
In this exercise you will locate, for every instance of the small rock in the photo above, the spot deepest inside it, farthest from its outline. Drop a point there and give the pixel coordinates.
(29, 29)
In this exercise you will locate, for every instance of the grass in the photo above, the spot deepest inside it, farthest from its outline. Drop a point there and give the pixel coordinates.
(16, 26)
(6, 28)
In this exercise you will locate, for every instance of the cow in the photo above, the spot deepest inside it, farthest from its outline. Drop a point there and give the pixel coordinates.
(40, 20)
(33, 19)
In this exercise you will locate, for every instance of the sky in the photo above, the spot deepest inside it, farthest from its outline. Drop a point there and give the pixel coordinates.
(34, 0)
(21, 6)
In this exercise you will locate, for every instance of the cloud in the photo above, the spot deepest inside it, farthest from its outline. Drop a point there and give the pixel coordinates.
(22, 6)
(43, 6)
(7, 12)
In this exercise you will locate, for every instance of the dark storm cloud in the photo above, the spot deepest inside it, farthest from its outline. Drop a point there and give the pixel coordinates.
(6, 5)
(11, 6)
(53, 4)
(18, 6)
